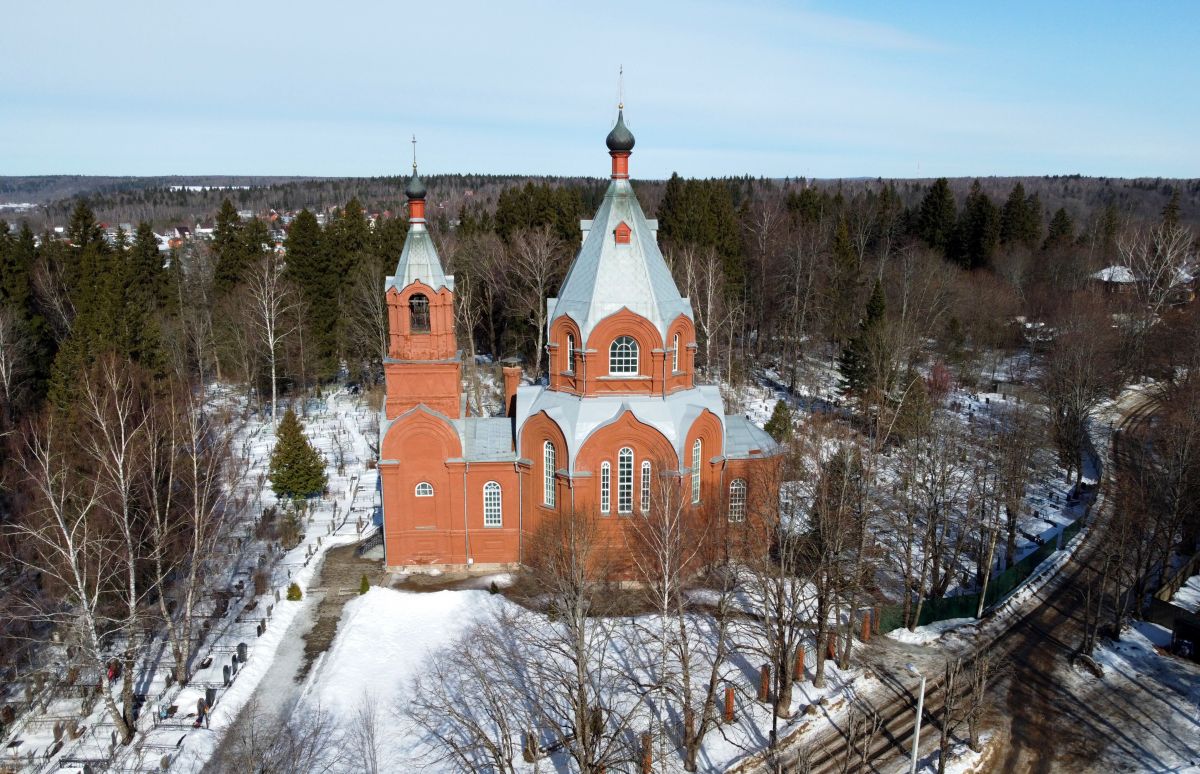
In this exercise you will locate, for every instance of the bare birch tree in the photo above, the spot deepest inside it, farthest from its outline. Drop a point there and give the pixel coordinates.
(536, 269)
(66, 542)
(273, 306)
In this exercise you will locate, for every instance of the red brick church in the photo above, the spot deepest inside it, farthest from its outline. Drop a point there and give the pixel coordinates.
(622, 408)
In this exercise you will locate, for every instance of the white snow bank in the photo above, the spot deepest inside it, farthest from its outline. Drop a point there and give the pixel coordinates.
(923, 635)
(384, 640)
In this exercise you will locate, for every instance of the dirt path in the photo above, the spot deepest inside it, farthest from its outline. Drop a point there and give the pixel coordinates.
(309, 635)
(338, 583)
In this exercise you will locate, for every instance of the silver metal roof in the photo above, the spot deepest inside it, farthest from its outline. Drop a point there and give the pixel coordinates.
(483, 439)
(742, 437)
(419, 261)
(486, 439)
(579, 418)
(607, 277)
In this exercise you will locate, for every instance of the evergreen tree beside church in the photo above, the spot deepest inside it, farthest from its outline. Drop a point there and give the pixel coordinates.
(858, 361)
(297, 469)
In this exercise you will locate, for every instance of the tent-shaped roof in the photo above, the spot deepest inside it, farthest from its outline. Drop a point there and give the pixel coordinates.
(606, 276)
(419, 261)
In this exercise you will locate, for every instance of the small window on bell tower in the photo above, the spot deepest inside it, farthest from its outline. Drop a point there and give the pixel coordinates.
(418, 314)
(622, 232)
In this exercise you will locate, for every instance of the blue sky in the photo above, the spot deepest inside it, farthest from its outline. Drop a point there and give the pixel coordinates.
(763, 88)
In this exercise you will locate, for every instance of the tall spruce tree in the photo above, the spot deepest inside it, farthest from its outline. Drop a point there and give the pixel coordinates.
(230, 263)
(310, 266)
(843, 285)
(297, 470)
(1020, 221)
(1061, 233)
(857, 363)
(1170, 213)
(937, 216)
(702, 213)
(978, 230)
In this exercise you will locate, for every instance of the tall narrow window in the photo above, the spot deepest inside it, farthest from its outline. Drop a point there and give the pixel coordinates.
(548, 474)
(418, 314)
(645, 486)
(571, 352)
(675, 353)
(623, 356)
(696, 454)
(625, 480)
(605, 483)
(737, 500)
(492, 514)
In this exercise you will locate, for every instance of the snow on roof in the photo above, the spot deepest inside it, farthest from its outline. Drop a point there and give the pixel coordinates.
(606, 277)
(1118, 274)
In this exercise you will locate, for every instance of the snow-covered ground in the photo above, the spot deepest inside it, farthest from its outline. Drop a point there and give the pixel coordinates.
(387, 638)
(342, 427)
(1151, 699)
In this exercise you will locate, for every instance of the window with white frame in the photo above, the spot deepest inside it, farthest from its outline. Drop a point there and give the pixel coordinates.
(696, 454)
(625, 480)
(675, 353)
(737, 500)
(424, 489)
(571, 352)
(645, 486)
(623, 356)
(548, 474)
(605, 483)
(492, 514)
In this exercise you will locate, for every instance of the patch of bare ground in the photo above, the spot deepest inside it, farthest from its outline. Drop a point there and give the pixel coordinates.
(339, 581)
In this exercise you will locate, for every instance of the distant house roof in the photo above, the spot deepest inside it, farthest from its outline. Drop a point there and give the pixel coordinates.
(1121, 275)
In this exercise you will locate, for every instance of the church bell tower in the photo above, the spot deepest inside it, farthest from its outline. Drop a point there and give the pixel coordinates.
(422, 364)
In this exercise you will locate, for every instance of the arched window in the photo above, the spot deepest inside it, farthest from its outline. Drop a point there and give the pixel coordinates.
(625, 480)
(418, 314)
(548, 474)
(737, 500)
(424, 489)
(492, 515)
(623, 356)
(696, 454)
(605, 483)
(675, 353)
(645, 486)
(571, 352)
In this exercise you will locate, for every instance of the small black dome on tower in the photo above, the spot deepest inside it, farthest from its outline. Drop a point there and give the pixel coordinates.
(415, 188)
(620, 138)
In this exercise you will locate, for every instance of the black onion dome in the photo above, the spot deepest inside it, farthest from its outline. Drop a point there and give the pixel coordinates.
(620, 138)
(415, 188)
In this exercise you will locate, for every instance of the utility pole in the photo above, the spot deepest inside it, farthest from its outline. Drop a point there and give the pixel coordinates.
(916, 744)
